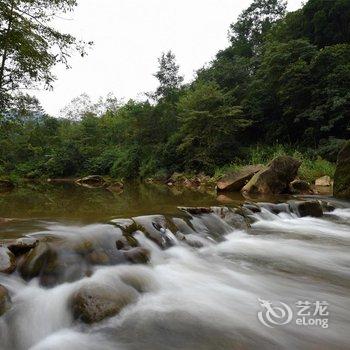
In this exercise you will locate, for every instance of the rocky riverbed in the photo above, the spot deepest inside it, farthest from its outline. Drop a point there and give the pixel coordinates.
(186, 277)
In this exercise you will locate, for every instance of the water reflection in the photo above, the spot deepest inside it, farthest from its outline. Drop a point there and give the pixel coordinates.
(68, 201)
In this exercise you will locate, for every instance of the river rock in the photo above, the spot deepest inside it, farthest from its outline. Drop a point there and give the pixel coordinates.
(324, 181)
(154, 227)
(196, 210)
(6, 185)
(341, 187)
(306, 208)
(327, 206)
(137, 255)
(7, 260)
(5, 300)
(92, 181)
(128, 226)
(275, 179)
(98, 257)
(93, 303)
(254, 208)
(126, 242)
(235, 181)
(39, 258)
(276, 208)
(247, 213)
(116, 187)
(191, 182)
(193, 242)
(22, 245)
(300, 187)
(232, 218)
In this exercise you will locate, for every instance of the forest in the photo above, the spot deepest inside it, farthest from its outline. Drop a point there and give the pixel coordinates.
(282, 85)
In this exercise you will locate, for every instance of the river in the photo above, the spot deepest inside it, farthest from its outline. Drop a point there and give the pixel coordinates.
(282, 283)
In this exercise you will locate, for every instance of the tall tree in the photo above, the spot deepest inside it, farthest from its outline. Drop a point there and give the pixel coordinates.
(248, 33)
(30, 46)
(168, 76)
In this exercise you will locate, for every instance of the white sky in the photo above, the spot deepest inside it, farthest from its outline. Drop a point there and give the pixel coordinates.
(129, 36)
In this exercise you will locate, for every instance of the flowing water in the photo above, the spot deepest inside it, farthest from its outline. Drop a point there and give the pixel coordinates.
(209, 297)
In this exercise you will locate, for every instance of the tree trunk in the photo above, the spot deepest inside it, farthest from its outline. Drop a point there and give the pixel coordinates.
(5, 52)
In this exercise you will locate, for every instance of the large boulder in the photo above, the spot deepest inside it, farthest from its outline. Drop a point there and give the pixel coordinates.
(93, 302)
(306, 208)
(275, 179)
(5, 300)
(235, 181)
(52, 264)
(342, 173)
(7, 260)
(324, 181)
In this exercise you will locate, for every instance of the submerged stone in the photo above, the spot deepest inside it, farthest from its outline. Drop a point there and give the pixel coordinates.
(137, 255)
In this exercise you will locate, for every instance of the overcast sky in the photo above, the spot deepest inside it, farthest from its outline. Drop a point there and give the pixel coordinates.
(129, 36)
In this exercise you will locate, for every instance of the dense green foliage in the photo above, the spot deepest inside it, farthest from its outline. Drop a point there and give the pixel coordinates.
(284, 79)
